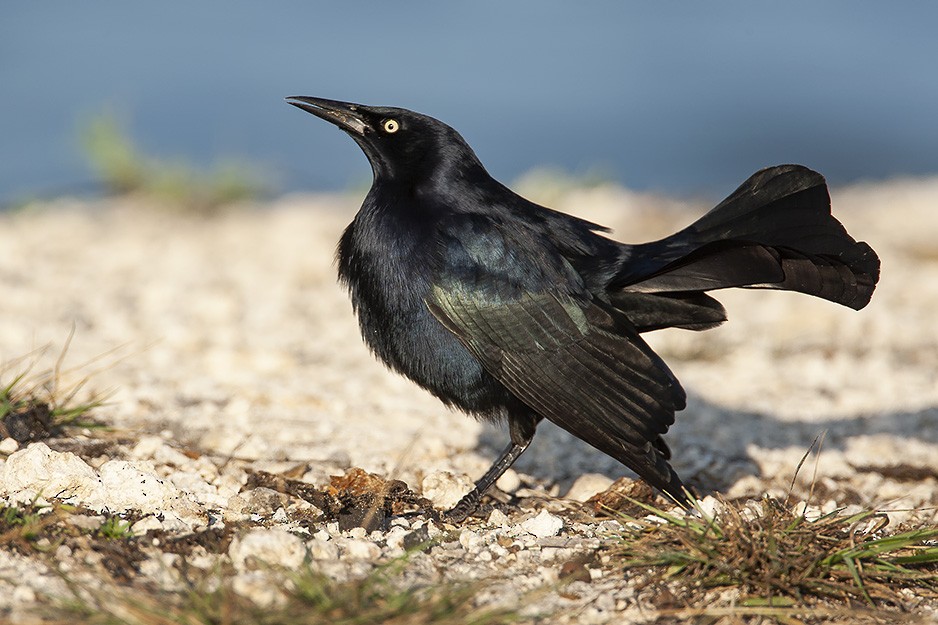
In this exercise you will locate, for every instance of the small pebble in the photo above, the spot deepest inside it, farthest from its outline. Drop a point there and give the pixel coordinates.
(509, 482)
(710, 506)
(261, 547)
(262, 501)
(543, 525)
(498, 519)
(362, 550)
(322, 550)
(587, 485)
(146, 524)
(445, 489)
(394, 539)
(470, 540)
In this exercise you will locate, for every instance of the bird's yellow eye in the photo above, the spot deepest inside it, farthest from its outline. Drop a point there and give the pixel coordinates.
(390, 126)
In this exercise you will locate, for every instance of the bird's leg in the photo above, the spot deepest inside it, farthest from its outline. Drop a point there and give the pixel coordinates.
(521, 431)
(470, 502)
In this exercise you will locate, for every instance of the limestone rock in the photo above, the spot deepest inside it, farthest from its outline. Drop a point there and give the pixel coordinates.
(117, 486)
(588, 485)
(39, 471)
(261, 548)
(445, 489)
(543, 525)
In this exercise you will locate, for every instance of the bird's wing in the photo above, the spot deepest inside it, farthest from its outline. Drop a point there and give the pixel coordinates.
(575, 361)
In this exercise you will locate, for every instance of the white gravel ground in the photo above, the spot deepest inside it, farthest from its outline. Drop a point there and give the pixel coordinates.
(230, 336)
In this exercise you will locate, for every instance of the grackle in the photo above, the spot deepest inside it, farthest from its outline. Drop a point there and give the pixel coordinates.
(511, 311)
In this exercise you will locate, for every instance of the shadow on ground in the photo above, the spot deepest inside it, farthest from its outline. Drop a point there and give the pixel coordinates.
(713, 445)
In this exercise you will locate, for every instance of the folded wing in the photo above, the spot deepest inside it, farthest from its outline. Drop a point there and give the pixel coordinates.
(580, 364)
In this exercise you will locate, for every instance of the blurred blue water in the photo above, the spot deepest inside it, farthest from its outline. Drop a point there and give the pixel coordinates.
(685, 97)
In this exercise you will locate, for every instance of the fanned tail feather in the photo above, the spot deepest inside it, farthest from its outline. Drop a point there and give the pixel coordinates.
(775, 231)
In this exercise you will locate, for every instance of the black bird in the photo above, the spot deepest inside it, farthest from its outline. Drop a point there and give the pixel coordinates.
(511, 311)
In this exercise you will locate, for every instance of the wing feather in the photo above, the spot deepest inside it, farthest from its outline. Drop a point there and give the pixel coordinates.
(577, 362)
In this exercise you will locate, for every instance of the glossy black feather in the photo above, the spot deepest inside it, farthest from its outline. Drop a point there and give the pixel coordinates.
(579, 364)
(775, 231)
(509, 310)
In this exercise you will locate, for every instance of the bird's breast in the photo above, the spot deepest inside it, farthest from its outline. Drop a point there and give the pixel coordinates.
(389, 272)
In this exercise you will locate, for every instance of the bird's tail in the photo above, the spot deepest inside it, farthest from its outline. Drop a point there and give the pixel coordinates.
(775, 231)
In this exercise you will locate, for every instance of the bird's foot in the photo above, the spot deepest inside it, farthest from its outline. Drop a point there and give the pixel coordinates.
(456, 515)
(466, 506)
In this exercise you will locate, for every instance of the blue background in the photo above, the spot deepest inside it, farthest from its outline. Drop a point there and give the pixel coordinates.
(684, 97)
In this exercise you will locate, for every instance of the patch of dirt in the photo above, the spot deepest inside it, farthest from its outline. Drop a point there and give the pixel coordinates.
(87, 448)
(36, 531)
(213, 540)
(121, 557)
(31, 423)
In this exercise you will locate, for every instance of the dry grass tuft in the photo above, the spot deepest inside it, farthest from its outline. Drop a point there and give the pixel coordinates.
(35, 405)
(780, 562)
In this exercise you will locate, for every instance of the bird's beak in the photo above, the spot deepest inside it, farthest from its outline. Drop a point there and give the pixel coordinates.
(343, 114)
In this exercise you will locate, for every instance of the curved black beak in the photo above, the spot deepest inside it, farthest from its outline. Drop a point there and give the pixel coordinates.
(345, 115)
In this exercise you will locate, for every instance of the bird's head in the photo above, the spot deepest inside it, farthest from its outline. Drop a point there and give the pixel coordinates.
(401, 145)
